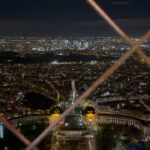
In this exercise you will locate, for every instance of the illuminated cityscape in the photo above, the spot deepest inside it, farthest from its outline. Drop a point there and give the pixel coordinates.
(43, 76)
(33, 81)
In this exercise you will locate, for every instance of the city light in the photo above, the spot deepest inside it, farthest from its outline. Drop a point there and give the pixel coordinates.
(1, 130)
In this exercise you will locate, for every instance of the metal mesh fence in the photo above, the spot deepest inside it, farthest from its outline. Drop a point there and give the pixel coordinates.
(134, 48)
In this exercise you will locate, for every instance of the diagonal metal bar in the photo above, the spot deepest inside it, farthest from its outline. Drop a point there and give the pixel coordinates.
(11, 128)
(91, 89)
(119, 31)
(144, 104)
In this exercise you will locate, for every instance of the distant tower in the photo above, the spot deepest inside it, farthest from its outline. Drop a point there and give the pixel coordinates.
(74, 94)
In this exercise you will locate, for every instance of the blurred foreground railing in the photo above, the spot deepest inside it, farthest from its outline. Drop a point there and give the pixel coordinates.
(135, 48)
(15, 131)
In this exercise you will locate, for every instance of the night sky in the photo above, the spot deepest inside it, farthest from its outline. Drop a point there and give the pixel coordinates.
(71, 17)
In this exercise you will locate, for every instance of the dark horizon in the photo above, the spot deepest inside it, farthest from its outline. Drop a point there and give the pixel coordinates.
(82, 29)
(74, 18)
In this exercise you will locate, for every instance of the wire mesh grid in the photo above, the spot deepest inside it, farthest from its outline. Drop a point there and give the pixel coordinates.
(134, 48)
